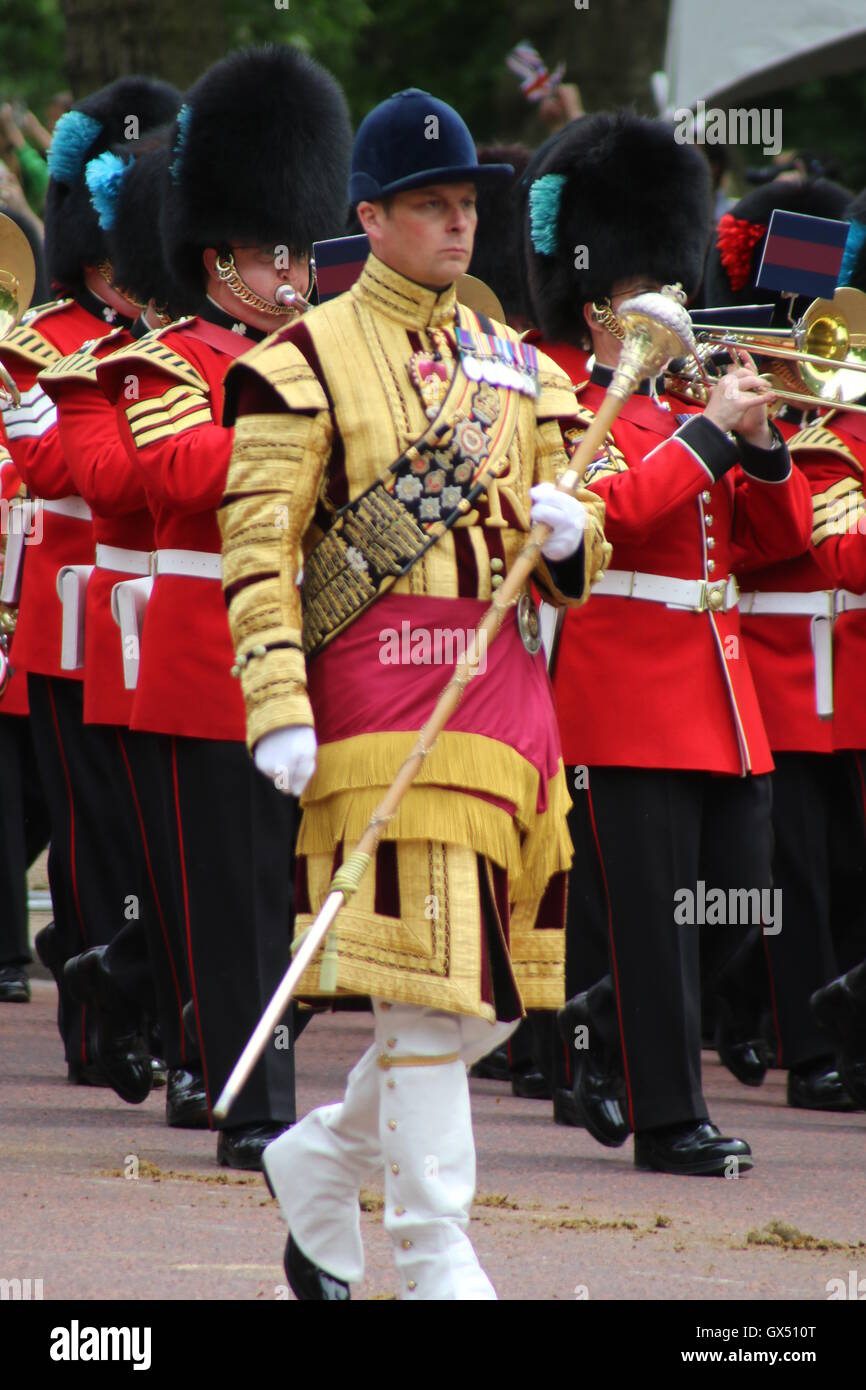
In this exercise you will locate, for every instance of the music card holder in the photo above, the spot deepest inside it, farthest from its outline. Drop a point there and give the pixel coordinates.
(72, 583)
(129, 599)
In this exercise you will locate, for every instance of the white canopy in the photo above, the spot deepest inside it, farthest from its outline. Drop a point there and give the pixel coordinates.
(728, 52)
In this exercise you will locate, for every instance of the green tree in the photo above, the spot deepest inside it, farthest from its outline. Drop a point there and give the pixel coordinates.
(32, 64)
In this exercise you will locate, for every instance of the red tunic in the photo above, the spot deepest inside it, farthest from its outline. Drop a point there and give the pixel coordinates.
(780, 650)
(34, 444)
(639, 684)
(839, 551)
(14, 698)
(104, 476)
(182, 455)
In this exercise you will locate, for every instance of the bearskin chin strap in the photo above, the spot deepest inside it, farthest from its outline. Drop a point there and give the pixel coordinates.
(227, 271)
(605, 316)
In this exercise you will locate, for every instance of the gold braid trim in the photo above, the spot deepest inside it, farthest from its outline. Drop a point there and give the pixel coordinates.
(351, 776)
(818, 437)
(385, 1063)
(270, 497)
(837, 511)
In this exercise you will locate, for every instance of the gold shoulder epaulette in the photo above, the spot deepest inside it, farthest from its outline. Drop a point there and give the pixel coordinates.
(286, 369)
(610, 458)
(556, 393)
(819, 438)
(28, 345)
(41, 311)
(153, 352)
(80, 365)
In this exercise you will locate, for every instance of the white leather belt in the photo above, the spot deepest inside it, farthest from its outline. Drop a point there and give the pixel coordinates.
(696, 595)
(814, 603)
(823, 606)
(116, 557)
(75, 507)
(845, 600)
(195, 564)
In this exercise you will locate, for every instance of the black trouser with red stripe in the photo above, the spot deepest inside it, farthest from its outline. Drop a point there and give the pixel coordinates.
(147, 958)
(95, 859)
(819, 863)
(24, 831)
(235, 835)
(642, 837)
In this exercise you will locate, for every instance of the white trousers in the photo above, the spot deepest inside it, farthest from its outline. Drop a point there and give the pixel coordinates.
(406, 1108)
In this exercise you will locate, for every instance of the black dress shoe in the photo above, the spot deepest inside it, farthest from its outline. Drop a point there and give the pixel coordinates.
(186, 1100)
(243, 1146)
(598, 1083)
(592, 1104)
(116, 1044)
(48, 950)
(494, 1067)
(818, 1086)
(14, 985)
(738, 1046)
(744, 1060)
(530, 1084)
(694, 1148)
(159, 1072)
(308, 1281)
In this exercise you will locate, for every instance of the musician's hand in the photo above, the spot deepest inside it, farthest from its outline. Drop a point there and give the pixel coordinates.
(739, 402)
(288, 757)
(565, 516)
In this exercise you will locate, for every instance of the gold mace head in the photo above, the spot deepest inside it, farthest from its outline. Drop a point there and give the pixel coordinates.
(657, 328)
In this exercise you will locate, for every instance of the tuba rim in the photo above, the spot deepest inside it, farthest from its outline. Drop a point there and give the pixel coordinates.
(17, 273)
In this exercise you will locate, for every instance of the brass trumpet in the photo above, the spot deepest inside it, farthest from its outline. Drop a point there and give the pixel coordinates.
(819, 362)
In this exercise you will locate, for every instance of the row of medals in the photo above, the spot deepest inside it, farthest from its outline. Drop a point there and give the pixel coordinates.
(432, 385)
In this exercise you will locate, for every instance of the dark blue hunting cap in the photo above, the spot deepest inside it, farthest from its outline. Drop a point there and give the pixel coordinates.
(413, 139)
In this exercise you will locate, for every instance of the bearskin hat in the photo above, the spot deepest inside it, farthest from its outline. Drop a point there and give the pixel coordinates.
(73, 238)
(853, 271)
(495, 258)
(738, 241)
(261, 156)
(126, 186)
(622, 187)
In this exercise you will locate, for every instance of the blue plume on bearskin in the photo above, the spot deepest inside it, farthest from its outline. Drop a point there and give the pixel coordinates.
(545, 196)
(115, 115)
(73, 136)
(104, 177)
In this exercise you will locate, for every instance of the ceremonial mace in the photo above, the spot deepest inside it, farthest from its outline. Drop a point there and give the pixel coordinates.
(657, 328)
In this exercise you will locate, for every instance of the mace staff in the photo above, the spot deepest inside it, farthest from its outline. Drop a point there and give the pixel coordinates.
(657, 328)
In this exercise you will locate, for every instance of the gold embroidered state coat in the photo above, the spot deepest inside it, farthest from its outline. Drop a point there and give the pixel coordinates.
(320, 410)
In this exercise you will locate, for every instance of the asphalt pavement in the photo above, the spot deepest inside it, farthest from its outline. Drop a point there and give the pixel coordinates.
(101, 1200)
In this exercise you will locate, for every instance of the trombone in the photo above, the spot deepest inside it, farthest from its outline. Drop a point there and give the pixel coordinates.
(819, 362)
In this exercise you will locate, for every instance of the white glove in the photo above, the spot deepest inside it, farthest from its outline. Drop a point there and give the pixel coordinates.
(288, 757)
(565, 516)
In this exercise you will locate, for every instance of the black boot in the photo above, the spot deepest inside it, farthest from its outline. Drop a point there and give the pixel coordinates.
(693, 1148)
(594, 1099)
(116, 1043)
